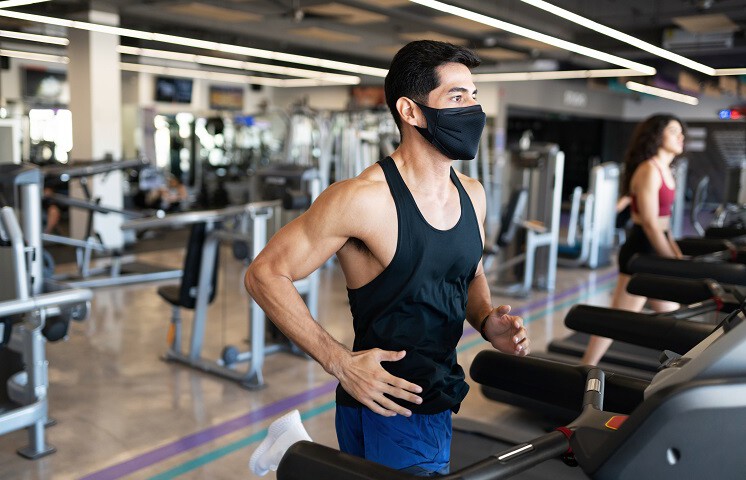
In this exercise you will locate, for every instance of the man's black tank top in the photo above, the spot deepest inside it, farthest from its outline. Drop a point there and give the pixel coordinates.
(418, 302)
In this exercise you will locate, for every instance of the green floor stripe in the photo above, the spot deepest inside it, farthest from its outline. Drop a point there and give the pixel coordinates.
(258, 436)
(232, 447)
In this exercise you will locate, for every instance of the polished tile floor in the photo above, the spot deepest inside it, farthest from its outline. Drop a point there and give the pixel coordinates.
(121, 412)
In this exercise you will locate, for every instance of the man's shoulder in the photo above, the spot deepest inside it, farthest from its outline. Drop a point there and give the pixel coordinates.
(472, 185)
(368, 188)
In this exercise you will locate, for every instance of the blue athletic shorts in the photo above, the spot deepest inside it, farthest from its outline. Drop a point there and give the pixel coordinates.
(420, 444)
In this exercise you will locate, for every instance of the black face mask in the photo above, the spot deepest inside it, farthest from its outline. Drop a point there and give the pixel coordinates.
(454, 131)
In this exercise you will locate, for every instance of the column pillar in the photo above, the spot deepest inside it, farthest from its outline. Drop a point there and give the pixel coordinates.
(96, 104)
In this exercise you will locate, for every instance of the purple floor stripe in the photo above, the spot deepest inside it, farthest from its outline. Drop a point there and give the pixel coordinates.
(200, 438)
(191, 441)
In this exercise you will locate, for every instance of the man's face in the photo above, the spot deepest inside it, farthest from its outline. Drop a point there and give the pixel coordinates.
(456, 88)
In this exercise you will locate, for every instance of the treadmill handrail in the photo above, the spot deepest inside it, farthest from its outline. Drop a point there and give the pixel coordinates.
(727, 273)
(305, 460)
(658, 332)
(203, 216)
(674, 289)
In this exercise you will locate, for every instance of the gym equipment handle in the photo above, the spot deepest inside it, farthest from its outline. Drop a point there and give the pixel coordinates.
(54, 299)
(727, 273)
(658, 332)
(204, 216)
(673, 289)
(594, 389)
(704, 246)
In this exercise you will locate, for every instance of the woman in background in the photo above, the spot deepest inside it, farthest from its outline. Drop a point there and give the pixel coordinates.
(649, 183)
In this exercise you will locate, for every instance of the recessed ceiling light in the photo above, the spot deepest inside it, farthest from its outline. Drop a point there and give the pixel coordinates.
(554, 75)
(220, 76)
(39, 57)
(239, 64)
(533, 34)
(19, 3)
(660, 92)
(622, 37)
(32, 37)
(196, 43)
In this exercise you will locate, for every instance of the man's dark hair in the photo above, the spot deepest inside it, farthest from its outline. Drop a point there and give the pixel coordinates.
(412, 73)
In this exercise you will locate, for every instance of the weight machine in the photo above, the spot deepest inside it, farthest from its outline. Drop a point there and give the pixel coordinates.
(534, 211)
(590, 232)
(246, 227)
(32, 309)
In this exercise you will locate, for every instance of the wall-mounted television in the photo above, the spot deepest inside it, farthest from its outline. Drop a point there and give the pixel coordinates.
(45, 87)
(173, 90)
(226, 98)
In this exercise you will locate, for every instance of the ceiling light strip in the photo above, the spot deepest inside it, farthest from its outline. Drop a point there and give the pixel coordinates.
(32, 37)
(730, 71)
(623, 37)
(19, 3)
(239, 64)
(660, 92)
(555, 75)
(195, 43)
(534, 35)
(39, 57)
(219, 76)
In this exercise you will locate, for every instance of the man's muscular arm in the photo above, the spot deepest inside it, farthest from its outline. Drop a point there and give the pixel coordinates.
(505, 332)
(295, 252)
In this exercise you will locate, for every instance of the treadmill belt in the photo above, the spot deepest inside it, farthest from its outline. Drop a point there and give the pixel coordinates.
(619, 353)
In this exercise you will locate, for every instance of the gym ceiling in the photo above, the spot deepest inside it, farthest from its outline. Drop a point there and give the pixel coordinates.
(369, 32)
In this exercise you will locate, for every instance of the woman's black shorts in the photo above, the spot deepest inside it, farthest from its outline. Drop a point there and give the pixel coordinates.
(637, 242)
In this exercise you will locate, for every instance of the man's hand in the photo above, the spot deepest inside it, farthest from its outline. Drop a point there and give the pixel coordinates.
(506, 332)
(363, 377)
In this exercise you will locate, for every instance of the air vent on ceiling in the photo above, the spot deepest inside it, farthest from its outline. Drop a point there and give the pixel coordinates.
(682, 41)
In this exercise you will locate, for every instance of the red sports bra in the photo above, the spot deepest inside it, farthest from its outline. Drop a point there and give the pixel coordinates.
(665, 197)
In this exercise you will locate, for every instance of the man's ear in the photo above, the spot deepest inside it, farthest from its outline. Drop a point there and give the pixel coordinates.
(410, 113)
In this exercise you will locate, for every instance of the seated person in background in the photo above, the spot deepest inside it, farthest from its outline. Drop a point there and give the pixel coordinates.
(171, 198)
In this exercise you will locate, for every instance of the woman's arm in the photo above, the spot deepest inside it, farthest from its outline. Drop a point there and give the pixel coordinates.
(674, 245)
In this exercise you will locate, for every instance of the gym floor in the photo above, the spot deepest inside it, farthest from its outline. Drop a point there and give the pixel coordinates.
(121, 412)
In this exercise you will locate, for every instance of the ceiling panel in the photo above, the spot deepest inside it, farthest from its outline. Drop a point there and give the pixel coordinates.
(389, 50)
(387, 3)
(712, 23)
(500, 54)
(530, 43)
(203, 10)
(464, 24)
(430, 35)
(346, 14)
(325, 35)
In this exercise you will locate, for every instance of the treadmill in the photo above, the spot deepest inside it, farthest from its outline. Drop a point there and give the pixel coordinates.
(685, 423)
(681, 281)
